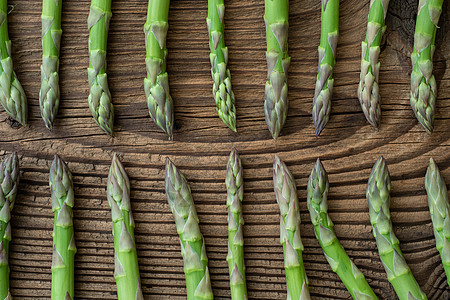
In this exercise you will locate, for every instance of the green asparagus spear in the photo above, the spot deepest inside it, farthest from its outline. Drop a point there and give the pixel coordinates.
(327, 58)
(156, 85)
(222, 92)
(126, 269)
(368, 91)
(286, 194)
(12, 96)
(198, 284)
(440, 213)
(99, 99)
(335, 254)
(64, 248)
(235, 193)
(51, 37)
(276, 92)
(398, 272)
(423, 83)
(9, 182)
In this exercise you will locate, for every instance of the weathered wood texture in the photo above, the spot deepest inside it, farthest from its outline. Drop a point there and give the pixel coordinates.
(348, 148)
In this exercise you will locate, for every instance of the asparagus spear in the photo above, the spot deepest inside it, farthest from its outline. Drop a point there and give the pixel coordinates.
(99, 96)
(335, 254)
(156, 85)
(51, 37)
(222, 92)
(286, 194)
(235, 193)
(126, 270)
(64, 248)
(368, 91)
(12, 96)
(423, 83)
(9, 182)
(276, 91)
(398, 272)
(327, 58)
(440, 213)
(198, 284)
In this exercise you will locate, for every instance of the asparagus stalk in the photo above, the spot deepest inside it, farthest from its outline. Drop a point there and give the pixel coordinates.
(440, 213)
(398, 272)
(276, 90)
(286, 194)
(9, 182)
(222, 92)
(126, 270)
(198, 284)
(156, 85)
(235, 193)
(327, 58)
(99, 99)
(335, 254)
(12, 96)
(423, 83)
(368, 91)
(51, 37)
(64, 248)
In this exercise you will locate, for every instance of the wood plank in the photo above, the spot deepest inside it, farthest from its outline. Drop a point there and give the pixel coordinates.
(348, 148)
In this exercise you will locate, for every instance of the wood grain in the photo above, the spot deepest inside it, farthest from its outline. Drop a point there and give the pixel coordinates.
(348, 148)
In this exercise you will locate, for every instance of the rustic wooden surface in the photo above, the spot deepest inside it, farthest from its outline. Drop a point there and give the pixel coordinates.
(348, 148)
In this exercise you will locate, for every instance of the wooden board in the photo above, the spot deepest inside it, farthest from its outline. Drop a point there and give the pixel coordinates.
(348, 148)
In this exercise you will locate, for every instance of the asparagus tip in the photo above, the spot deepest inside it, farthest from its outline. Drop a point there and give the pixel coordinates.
(318, 127)
(277, 161)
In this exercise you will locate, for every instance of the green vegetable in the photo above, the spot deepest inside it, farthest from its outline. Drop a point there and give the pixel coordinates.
(235, 193)
(286, 194)
(335, 254)
(368, 90)
(198, 283)
(9, 182)
(12, 96)
(440, 213)
(327, 54)
(126, 269)
(156, 85)
(276, 92)
(423, 83)
(398, 272)
(51, 37)
(99, 96)
(64, 248)
(222, 92)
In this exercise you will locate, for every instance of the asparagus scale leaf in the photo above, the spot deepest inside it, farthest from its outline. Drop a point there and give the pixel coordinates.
(286, 194)
(64, 248)
(276, 91)
(9, 182)
(12, 96)
(440, 213)
(198, 283)
(126, 269)
(398, 272)
(99, 99)
(51, 37)
(235, 193)
(423, 83)
(335, 254)
(368, 90)
(222, 92)
(327, 58)
(156, 85)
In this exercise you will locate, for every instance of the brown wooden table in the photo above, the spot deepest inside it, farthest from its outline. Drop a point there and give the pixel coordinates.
(348, 148)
